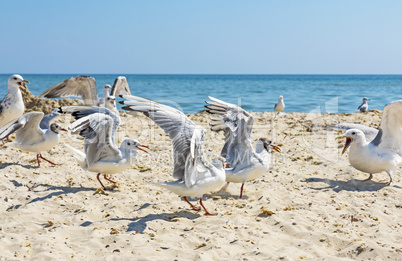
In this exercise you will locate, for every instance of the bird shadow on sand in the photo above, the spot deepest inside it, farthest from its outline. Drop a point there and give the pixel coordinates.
(5, 165)
(350, 185)
(139, 224)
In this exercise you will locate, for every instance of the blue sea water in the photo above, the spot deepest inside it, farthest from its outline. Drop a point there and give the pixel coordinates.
(302, 93)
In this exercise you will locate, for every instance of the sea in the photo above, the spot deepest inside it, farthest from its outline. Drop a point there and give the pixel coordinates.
(258, 93)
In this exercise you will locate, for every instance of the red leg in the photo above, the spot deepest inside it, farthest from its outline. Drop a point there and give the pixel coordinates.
(37, 158)
(206, 211)
(40, 155)
(114, 182)
(192, 206)
(241, 190)
(97, 176)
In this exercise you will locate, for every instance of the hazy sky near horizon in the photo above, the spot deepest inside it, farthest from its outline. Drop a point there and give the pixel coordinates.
(201, 37)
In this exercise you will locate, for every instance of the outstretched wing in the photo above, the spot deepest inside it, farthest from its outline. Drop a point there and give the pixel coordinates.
(369, 132)
(81, 86)
(26, 128)
(236, 124)
(120, 87)
(45, 122)
(96, 128)
(389, 135)
(179, 128)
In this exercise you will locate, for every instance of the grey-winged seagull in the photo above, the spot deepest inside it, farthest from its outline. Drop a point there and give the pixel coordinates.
(384, 152)
(280, 106)
(12, 105)
(101, 154)
(194, 173)
(244, 163)
(33, 133)
(364, 106)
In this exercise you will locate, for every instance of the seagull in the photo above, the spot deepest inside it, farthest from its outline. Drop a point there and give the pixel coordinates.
(33, 133)
(243, 162)
(364, 106)
(280, 106)
(194, 174)
(12, 105)
(384, 152)
(369, 132)
(85, 87)
(101, 155)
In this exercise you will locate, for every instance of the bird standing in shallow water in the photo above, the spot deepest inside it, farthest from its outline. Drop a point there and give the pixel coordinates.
(364, 106)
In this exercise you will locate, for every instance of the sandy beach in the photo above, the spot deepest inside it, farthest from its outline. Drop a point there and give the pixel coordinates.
(311, 204)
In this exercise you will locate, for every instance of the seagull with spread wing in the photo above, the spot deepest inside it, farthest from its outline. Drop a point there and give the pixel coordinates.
(243, 162)
(384, 152)
(34, 133)
(101, 154)
(85, 87)
(194, 173)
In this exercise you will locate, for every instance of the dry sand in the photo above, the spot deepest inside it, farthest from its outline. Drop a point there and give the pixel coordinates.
(311, 204)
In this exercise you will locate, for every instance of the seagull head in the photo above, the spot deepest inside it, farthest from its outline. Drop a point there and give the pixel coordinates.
(107, 87)
(365, 99)
(219, 163)
(280, 98)
(134, 144)
(111, 102)
(269, 144)
(56, 128)
(17, 81)
(352, 135)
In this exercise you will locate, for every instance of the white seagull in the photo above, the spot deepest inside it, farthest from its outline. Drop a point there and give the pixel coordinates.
(364, 106)
(85, 87)
(33, 133)
(101, 155)
(384, 152)
(12, 105)
(280, 106)
(194, 173)
(243, 162)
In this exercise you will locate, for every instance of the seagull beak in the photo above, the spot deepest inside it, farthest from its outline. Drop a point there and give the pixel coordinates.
(23, 84)
(276, 148)
(138, 147)
(349, 141)
(63, 129)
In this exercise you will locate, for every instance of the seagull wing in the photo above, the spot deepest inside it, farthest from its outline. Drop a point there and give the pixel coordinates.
(96, 128)
(82, 86)
(179, 128)
(197, 166)
(120, 87)
(26, 128)
(45, 122)
(389, 135)
(236, 124)
(369, 132)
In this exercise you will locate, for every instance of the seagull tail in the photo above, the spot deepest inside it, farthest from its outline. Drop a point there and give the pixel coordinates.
(78, 155)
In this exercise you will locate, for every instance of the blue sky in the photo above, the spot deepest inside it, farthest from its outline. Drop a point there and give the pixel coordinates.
(201, 37)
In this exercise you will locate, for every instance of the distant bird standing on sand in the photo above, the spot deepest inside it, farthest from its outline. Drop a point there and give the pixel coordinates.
(280, 106)
(12, 105)
(364, 106)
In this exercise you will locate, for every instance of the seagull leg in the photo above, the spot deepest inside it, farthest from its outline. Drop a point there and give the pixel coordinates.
(97, 176)
(241, 190)
(206, 211)
(192, 206)
(369, 178)
(40, 156)
(37, 159)
(390, 177)
(114, 182)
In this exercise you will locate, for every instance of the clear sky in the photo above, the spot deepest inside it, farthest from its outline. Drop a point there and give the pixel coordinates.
(201, 37)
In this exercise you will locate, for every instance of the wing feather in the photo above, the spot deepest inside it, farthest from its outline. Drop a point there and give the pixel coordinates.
(120, 87)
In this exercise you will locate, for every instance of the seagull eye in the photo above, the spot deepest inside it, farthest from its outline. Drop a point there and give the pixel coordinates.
(129, 143)
(353, 133)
